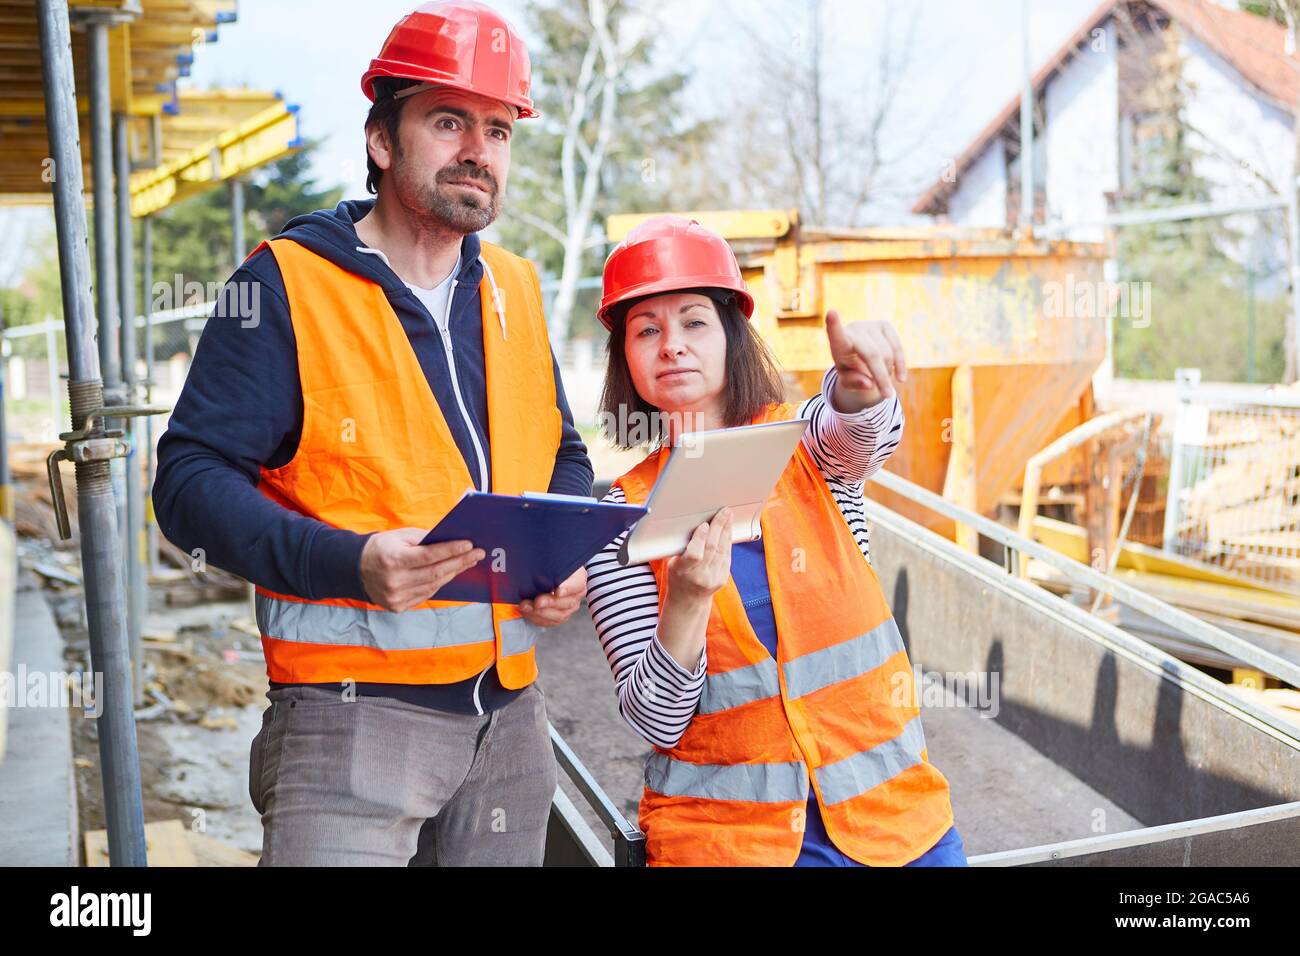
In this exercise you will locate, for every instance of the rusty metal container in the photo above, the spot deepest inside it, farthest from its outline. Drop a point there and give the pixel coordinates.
(1002, 331)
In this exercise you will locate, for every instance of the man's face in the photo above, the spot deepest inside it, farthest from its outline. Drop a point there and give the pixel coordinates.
(452, 158)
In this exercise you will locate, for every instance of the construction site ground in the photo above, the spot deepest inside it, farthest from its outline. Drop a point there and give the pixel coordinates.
(208, 667)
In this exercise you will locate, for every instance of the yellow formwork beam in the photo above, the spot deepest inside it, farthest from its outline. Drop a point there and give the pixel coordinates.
(149, 46)
(202, 138)
(260, 139)
(728, 223)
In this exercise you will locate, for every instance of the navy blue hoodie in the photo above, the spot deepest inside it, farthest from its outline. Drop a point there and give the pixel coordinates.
(241, 408)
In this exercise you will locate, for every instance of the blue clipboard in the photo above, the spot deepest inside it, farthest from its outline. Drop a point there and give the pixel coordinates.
(533, 542)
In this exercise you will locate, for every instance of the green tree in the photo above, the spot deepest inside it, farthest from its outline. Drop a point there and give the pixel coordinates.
(38, 294)
(1199, 297)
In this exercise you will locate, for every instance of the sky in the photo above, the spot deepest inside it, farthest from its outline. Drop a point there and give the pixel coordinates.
(966, 63)
(967, 60)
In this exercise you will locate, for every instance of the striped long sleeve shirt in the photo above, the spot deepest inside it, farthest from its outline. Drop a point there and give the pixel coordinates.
(656, 695)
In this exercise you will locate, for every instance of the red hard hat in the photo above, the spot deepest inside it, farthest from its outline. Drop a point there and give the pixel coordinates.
(467, 46)
(667, 254)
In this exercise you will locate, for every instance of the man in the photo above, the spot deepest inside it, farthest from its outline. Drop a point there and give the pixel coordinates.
(377, 362)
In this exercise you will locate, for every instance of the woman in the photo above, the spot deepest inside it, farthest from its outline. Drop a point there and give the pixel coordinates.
(769, 676)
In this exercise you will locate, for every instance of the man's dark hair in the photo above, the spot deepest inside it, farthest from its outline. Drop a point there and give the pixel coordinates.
(387, 112)
(753, 378)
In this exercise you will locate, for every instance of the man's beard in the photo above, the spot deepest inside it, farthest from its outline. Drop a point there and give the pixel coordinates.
(462, 211)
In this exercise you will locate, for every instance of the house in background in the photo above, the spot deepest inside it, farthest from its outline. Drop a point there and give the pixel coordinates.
(1239, 84)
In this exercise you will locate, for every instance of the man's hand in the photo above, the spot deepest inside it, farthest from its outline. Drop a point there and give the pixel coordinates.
(868, 357)
(398, 572)
(556, 607)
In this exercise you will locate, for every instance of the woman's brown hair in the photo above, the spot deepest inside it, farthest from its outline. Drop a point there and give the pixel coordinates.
(753, 379)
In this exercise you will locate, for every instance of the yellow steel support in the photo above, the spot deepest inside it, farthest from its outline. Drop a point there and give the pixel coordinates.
(962, 481)
(262, 138)
(728, 223)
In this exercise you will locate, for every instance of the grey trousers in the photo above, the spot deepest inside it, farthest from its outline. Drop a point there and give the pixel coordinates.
(379, 782)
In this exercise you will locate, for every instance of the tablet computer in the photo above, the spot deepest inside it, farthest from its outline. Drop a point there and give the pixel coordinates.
(707, 471)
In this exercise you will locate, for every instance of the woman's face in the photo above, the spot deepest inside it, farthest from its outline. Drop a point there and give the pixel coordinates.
(676, 351)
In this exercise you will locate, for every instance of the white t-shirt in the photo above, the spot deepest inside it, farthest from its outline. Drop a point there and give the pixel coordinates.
(435, 300)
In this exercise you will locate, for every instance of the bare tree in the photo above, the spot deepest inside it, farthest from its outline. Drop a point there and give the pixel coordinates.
(589, 113)
(594, 97)
(833, 152)
(616, 135)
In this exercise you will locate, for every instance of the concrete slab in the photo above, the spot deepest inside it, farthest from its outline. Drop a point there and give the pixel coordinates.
(38, 799)
(1005, 794)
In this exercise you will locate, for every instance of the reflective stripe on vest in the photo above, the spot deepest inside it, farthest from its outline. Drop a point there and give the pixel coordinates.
(738, 687)
(387, 630)
(803, 675)
(777, 782)
(755, 782)
(845, 779)
(839, 662)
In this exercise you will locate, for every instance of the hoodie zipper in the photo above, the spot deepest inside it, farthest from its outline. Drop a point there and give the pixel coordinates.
(445, 328)
(478, 703)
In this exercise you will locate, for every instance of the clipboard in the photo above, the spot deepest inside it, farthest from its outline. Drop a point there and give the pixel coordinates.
(533, 542)
(707, 471)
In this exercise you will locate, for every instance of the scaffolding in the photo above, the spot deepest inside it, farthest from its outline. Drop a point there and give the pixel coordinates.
(105, 72)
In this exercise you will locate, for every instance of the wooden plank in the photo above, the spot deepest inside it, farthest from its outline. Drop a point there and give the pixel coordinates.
(209, 851)
(1068, 539)
(1007, 429)
(165, 844)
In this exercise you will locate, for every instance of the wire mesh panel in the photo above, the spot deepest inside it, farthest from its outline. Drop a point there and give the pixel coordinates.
(1234, 485)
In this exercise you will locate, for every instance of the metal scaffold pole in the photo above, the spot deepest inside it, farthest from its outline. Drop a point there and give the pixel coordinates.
(6, 484)
(97, 23)
(146, 268)
(237, 249)
(90, 447)
(136, 603)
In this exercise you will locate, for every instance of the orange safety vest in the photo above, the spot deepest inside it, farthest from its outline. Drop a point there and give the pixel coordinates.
(376, 454)
(839, 700)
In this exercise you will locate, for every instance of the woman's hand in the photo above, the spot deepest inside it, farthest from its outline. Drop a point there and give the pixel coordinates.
(702, 569)
(868, 357)
(694, 576)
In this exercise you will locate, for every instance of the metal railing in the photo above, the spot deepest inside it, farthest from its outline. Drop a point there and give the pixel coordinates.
(569, 840)
(1016, 544)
